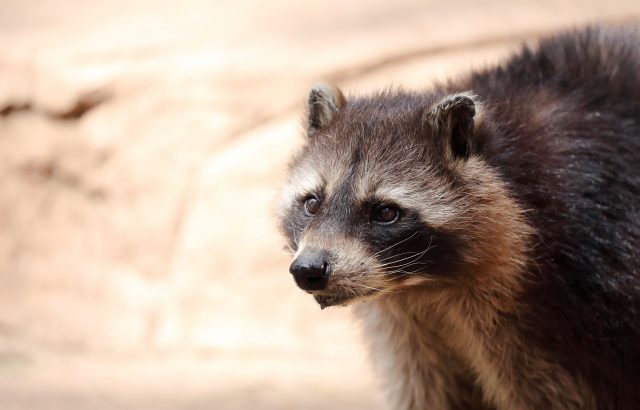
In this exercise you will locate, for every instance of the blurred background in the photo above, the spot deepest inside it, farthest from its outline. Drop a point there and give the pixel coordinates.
(141, 145)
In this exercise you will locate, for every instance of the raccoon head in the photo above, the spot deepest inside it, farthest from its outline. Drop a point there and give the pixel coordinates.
(390, 192)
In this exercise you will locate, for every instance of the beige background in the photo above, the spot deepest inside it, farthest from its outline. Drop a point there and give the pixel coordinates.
(141, 145)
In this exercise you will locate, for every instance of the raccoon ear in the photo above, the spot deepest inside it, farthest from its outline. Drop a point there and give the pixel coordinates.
(324, 102)
(451, 120)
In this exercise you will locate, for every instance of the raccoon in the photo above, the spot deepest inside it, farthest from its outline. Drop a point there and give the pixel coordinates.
(486, 231)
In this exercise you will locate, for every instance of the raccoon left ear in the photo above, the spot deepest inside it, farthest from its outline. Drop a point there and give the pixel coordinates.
(324, 102)
(451, 120)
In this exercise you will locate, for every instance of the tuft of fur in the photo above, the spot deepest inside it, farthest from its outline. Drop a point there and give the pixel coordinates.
(511, 277)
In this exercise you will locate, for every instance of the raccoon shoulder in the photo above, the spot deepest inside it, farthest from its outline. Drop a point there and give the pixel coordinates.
(565, 137)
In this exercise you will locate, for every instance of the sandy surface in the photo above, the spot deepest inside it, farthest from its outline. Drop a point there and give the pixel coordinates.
(141, 146)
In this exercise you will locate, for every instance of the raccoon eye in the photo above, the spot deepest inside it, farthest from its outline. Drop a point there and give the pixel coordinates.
(311, 205)
(386, 215)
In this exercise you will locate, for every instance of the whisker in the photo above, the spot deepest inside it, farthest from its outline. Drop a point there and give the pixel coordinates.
(429, 247)
(398, 255)
(368, 287)
(402, 274)
(395, 244)
(293, 232)
(352, 285)
(414, 256)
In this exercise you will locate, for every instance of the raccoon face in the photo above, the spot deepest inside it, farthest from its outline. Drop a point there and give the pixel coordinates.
(377, 200)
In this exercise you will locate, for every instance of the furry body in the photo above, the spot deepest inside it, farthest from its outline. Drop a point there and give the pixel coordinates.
(511, 277)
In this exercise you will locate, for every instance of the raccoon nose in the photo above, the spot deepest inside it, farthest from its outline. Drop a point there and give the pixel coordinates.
(311, 270)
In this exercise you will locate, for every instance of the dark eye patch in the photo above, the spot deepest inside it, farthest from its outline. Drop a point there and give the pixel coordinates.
(410, 246)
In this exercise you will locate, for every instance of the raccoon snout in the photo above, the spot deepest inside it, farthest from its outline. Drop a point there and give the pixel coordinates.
(311, 269)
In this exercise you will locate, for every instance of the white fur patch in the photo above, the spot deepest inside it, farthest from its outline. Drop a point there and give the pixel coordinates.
(436, 204)
(303, 182)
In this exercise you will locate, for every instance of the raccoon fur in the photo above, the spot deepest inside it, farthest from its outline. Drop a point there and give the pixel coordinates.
(487, 231)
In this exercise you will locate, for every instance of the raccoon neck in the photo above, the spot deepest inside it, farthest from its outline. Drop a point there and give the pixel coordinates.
(419, 370)
(460, 355)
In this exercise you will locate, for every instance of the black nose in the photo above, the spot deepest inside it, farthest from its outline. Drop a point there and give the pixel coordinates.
(311, 269)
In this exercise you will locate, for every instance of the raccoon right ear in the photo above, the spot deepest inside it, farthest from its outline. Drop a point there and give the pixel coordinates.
(452, 121)
(324, 102)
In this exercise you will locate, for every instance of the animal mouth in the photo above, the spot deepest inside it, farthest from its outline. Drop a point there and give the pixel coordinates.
(326, 300)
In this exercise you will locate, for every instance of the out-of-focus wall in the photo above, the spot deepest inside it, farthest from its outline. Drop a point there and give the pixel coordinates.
(141, 146)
